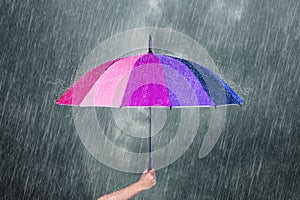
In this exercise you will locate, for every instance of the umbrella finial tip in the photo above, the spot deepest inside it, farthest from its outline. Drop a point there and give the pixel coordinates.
(150, 44)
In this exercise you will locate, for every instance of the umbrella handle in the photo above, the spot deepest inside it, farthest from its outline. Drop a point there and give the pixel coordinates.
(149, 143)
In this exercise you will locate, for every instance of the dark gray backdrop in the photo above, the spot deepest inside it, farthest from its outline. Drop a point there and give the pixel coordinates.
(255, 45)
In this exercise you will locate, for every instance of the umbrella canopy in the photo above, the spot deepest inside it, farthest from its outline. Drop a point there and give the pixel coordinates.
(149, 80)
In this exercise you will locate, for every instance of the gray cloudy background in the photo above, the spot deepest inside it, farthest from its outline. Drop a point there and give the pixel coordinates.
(255, 45)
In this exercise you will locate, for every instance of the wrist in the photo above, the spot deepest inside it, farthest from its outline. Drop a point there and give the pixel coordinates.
(139, 186)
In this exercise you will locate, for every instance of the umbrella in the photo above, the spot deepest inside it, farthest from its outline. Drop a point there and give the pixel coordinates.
(150, 80)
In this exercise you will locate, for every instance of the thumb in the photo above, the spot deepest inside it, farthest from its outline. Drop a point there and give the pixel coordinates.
(152, 172)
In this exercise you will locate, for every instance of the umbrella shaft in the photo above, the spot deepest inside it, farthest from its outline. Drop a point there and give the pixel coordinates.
(149, 142)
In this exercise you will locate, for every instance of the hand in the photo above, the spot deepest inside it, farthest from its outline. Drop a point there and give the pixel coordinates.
(147, 180)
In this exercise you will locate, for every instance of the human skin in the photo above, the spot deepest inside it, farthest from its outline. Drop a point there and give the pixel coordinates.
(146, 182)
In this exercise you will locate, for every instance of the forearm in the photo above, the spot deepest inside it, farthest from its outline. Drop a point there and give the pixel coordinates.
(124, 194)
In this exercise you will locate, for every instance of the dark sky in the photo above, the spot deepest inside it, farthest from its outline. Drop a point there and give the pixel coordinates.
(255, 45)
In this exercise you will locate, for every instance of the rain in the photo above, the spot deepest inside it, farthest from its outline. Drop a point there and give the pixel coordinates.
(256, 154)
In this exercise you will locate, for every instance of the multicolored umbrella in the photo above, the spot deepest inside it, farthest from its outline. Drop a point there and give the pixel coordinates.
(149, 80)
